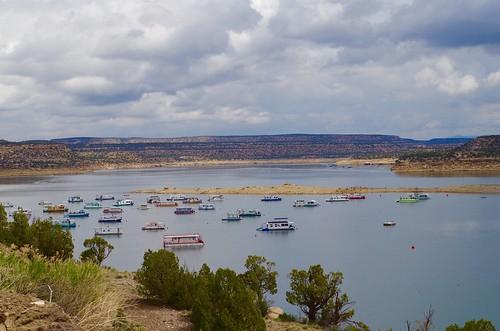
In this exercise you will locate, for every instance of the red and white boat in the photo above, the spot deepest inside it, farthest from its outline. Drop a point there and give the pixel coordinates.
(356, 197)
(183, 240)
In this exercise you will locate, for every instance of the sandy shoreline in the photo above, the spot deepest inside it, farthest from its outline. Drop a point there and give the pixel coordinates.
(292, 189)
(193, 164)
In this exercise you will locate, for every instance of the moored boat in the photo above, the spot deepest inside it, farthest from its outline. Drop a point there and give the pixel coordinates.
(423, 196)
(107, 231)
(21, 210)
(216, 197)
(206, 206)
(104, 197)
(153, 226)
(78, 213)
(153, 199)
(177, 197)
(271, 198)
(337, 198)
(192, 201)
(232, 217)
(123, 202)
(356, 197)
(65, 223)
(166, 204)
(184, 211)
(42, 203)
(75, 199)
(112, 210)
(92, 205)
(6, 204)
(110, 219)
(249, 213)
(277, 224)
(143, 206)
(311, 203)
(55, 209)
(389, 223)
(183, 240)
(408, 199)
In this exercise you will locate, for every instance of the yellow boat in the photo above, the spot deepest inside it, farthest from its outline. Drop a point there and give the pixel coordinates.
(55, 209)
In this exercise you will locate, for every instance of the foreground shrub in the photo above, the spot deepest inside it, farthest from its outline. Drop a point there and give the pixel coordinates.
(160, 277)
(49, 240)
(479, 325)
(223, 302)
(81, 289)
(97, 250)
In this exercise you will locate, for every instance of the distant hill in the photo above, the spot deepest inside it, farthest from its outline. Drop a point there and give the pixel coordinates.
(479, 154)
(105, 152)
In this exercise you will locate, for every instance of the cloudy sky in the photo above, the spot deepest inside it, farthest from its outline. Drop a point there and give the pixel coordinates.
(160, 68)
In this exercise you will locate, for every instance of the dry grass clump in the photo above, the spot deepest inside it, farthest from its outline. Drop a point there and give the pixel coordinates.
(81, 289)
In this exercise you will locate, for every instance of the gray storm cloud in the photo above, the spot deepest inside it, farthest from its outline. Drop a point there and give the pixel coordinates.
(168, 68)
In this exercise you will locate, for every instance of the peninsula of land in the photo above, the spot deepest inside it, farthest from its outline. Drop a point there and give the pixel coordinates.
(293, 189)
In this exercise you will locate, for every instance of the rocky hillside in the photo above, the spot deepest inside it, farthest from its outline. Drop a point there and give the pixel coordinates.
(95, 153)
(479, 154)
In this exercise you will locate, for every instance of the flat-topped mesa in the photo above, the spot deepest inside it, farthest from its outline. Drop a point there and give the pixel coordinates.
(293, 189)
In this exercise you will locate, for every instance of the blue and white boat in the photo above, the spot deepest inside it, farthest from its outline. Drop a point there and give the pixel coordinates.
(77, 213)
(110, 219)
(65, 223)
(75, 199)
(278, 224)
(206, 206)
(271, 198)
(124, 202)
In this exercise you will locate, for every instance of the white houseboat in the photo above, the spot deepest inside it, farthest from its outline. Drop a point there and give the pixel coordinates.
(183, 240)
(206, 206)
(153, 226)
(75, 199)
(277, 224)
(104, 197)
(107, 231)
(124, 202)
(337, 198)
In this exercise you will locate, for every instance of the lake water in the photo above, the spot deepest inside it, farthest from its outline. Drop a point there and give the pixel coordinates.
(454, 266)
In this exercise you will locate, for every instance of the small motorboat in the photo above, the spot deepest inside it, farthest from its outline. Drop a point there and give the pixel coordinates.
(206, 206)
(144, 206)
(75, 199)
(110, 219)
(65, 223)
(184, 211)
(337, 198)
(192, 201)
(153, 226)
(153, 199)
(232, 217)
(107, 231)
(55, 209)
(78, 213)
(112, 210)
(356, 197)
(166, 204)
(124, 202)
(6, 204)
(93, 205)
(249, 213)
(104, 197)
(217, 197)
(41, 203)
(271, 198)
(389, 223)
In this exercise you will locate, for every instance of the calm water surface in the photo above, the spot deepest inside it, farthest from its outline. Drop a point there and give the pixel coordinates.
(454, 266)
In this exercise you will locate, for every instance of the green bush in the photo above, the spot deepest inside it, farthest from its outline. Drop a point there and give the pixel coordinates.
(479, 325)
(161, 278)
(49, 240)
(223, 302)
(98, 249)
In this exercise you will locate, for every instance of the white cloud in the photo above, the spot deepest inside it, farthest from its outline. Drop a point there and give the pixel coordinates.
(493, 78)
(444, 77)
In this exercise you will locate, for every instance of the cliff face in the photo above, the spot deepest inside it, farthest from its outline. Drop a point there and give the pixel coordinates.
(480, 154)
(35, 156)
